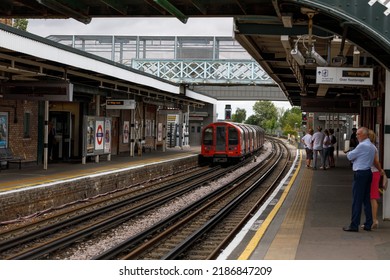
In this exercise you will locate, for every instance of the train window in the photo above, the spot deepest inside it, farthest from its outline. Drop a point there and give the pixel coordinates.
(208, 136)
(233, 136)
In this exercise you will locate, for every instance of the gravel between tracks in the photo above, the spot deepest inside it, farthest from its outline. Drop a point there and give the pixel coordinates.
(96, 245)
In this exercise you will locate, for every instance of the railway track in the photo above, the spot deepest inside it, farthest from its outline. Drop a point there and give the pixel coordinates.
(46, 237)
(204, 228)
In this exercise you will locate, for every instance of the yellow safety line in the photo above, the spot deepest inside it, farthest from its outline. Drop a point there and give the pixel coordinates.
(285, 244)
(260, 232)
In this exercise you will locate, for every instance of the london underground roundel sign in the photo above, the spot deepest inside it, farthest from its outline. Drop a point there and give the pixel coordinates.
(99, 134)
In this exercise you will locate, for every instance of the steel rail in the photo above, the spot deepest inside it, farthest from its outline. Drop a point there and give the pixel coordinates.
(66, 240)
(222, 213)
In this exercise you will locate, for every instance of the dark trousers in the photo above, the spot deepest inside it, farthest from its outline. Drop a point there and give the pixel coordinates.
(361, 197)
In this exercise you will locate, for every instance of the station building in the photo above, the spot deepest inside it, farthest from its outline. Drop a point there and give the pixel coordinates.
(96, 107)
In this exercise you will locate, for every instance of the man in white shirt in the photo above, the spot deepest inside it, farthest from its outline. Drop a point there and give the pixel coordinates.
(317, 141)
(306, 140)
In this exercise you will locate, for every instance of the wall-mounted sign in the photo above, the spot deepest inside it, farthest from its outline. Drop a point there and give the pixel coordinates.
(120, 104)
(43, 90)
(344, 76)
(99, 136)
(371, 103)
(96, 135)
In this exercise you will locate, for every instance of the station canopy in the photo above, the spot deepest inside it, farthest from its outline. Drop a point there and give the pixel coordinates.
(289, 39)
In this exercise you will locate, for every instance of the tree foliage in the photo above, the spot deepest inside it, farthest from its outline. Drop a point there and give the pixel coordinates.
(239, 116)
(266, 115)
(291, 121)
(20, 23)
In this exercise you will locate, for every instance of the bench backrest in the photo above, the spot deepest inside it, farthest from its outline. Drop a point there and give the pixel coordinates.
(6, 153)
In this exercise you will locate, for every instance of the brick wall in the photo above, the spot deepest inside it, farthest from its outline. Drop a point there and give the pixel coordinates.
(28, 201)
(21, 145)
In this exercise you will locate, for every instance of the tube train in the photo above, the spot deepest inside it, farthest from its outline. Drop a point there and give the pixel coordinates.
(228, 142)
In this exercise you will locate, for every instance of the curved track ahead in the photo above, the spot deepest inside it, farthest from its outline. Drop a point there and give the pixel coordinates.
(206, 227)
(46, 240)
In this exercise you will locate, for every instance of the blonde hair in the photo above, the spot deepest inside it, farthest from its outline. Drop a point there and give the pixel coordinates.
(372, 136)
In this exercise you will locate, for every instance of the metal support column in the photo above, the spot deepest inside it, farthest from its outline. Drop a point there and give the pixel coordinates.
(386, 148)
(46, 137)
(132, 133)
(97, 110)
(180, 129)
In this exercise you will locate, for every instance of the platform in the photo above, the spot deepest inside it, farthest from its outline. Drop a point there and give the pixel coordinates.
(14, 178)
(307, 220)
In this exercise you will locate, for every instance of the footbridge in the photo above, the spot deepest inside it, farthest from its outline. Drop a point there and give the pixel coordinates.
(214, 66)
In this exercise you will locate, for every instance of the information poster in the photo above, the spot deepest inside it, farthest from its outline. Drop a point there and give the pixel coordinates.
(126, 125)
(97, 135)
(90, 135)
(107, 136)
(159, 131)
(3, 129)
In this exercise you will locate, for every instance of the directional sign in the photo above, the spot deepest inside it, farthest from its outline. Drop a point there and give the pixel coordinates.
(344, 76)
(120, 104)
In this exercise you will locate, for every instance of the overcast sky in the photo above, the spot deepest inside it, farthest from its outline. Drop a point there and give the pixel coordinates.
(147, 27)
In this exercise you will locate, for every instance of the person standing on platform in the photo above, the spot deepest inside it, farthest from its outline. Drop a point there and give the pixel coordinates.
(325, 150)
(362, 158)
(51, 139)
(333, 142)
(377, 171)
(307, 142)
(353, 141)
(317, 141)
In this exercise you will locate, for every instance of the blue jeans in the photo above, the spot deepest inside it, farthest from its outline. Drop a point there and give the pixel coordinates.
(315, 156)
(361, 196)
(325, 156)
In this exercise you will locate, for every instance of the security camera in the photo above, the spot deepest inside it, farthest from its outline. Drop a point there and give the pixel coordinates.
(310, 60)
(339, 60)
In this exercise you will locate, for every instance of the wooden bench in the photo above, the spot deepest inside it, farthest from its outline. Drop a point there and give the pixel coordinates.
(147, 148)
(6, 155)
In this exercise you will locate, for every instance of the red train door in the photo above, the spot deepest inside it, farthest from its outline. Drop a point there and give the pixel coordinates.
(220, 139)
